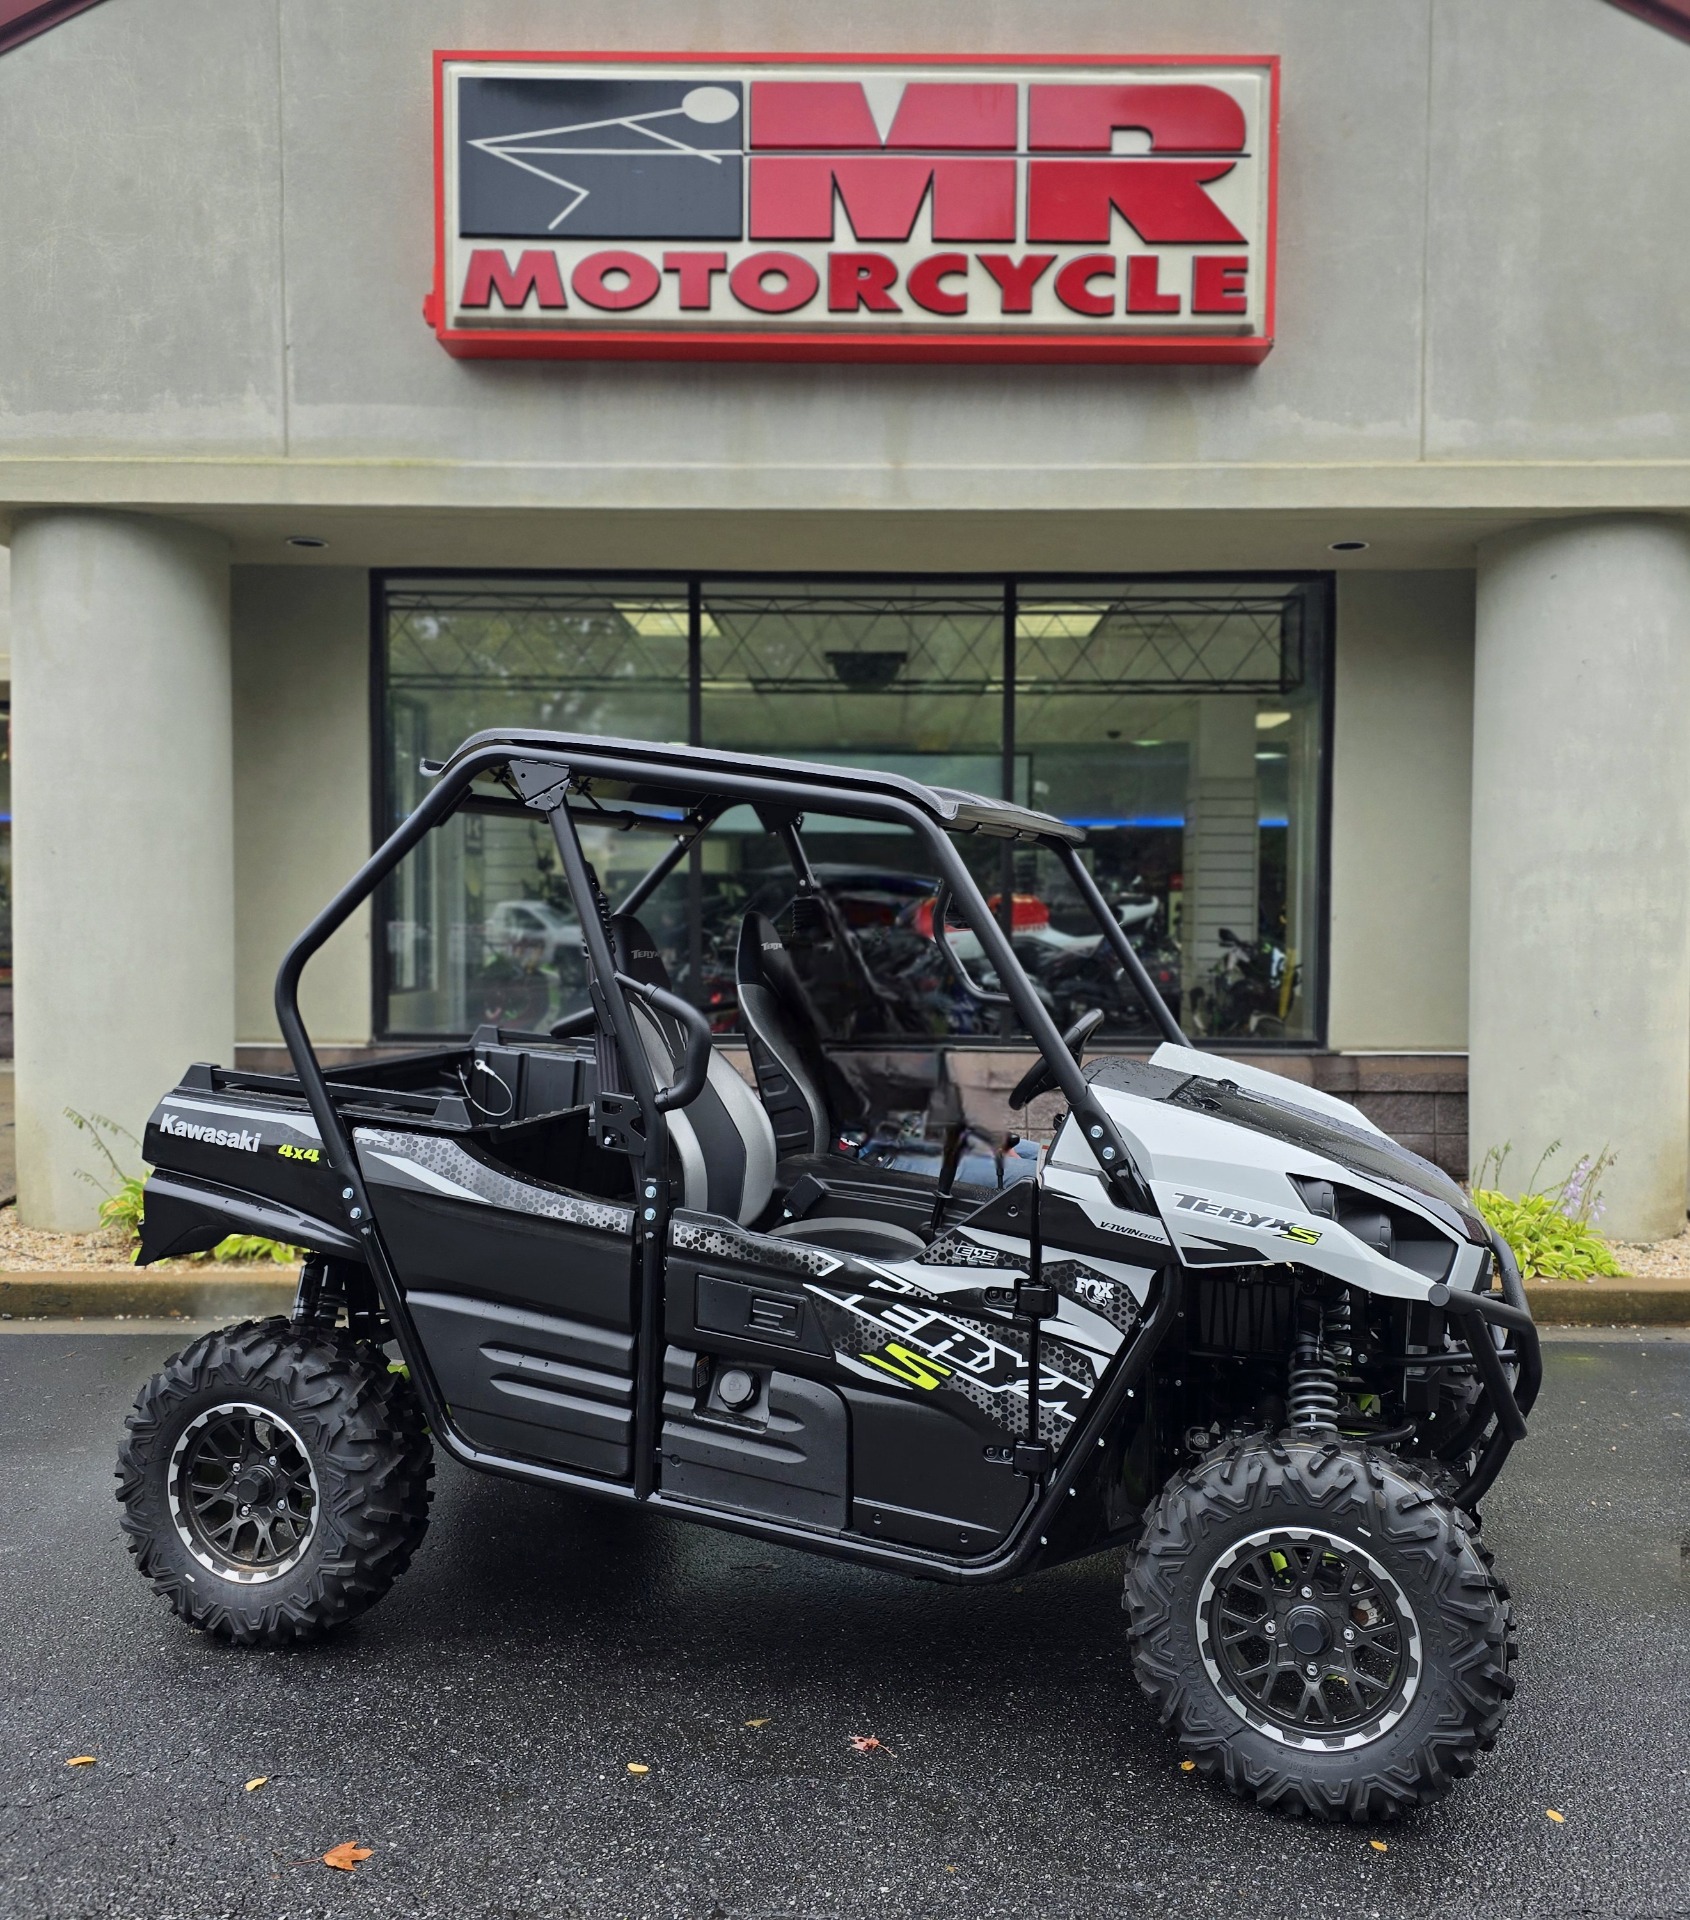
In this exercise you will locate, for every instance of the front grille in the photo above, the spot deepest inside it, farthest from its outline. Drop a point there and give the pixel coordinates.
(1240, 1316)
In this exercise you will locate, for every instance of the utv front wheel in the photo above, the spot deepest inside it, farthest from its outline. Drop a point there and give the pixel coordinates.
(1318, 1629)
(274, 1481)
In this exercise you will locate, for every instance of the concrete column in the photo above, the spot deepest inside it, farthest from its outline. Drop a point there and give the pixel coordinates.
(302, 782)
(123, 806)
(1402, 797)
(1580, 959)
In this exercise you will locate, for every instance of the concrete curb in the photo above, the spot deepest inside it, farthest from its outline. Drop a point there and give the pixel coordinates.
(1606, 1303)
(224, 1295)
(116, 1293)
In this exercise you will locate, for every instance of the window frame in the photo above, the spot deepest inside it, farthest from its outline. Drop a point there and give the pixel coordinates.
(1010, 586)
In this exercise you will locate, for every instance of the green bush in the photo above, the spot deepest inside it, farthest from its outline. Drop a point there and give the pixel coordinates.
(120, 1209)
(1552, 1228)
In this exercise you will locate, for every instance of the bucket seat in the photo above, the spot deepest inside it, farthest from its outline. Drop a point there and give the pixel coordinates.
(723, 1139)
(809, 1101)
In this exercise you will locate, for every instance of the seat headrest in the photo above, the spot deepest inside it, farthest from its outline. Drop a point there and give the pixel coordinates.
(637, 954)
(763, 960)
(761, 952)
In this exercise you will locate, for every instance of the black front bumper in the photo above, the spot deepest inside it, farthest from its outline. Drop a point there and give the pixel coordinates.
(1474, 1315)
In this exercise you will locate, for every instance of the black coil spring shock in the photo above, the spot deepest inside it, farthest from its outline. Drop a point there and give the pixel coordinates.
(1340, 1349)
(1312, 1386)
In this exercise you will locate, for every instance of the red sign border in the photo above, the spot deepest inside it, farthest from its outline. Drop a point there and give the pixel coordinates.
(488, 343)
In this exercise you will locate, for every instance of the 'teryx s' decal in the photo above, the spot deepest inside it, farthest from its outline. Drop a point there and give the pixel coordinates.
(914, 1369)
(1242, 1217)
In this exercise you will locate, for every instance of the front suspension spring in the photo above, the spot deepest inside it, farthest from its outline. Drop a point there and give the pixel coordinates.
(1312, 1386)
(1339, 1332)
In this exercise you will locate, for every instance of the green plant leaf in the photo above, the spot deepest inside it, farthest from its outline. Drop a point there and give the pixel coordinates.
(1547, 1244)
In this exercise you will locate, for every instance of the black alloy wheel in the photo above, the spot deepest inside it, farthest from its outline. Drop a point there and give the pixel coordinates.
(1307, 1636)
(1318, 1628)
(243, 1494)
(274, 1480)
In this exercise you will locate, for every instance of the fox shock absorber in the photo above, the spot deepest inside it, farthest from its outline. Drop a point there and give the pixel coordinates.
(1340, 1349)
(1312, 1386)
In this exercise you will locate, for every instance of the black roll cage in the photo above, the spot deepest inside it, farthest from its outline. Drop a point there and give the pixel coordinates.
(545, 777)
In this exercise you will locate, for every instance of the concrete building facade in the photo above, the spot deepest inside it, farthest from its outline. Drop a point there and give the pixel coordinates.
(1462, 472)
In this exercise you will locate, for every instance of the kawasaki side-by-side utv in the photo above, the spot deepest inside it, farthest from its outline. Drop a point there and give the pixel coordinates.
(1222, 1321)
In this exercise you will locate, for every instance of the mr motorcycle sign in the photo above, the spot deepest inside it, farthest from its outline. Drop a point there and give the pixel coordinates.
(857, 208)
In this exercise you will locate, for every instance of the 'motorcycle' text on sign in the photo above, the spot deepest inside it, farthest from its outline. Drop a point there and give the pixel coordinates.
(749, 208)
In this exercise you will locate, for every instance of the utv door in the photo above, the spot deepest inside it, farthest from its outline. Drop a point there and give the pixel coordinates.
(860, 1396)
(523, 1296)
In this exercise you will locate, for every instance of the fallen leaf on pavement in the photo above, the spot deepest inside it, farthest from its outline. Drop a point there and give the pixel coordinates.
(868, 1743)
(1378, 1846)
(757, 1723)
(346, 1856)
(252, 1786)
(1560, 1819)
(1188, 1766)
(635, 1767)
(82, 1760)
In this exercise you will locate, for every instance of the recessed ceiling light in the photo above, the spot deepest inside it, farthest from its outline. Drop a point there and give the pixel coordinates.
(1270, 718)
(305, 540)
(1348, 546)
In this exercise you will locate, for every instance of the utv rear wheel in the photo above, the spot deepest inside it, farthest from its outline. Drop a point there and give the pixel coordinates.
(274, 1481)
(1318, 1629)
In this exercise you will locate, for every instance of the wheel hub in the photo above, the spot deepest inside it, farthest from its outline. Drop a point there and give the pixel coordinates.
(243, 1492)
(1307, 1631)
(1308, 1638)
(255, 1486)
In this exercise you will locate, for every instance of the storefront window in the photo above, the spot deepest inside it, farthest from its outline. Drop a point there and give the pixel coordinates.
(1181, 722)
(477, 925)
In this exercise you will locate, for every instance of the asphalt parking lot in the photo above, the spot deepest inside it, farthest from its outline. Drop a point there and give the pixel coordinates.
(476, 1729)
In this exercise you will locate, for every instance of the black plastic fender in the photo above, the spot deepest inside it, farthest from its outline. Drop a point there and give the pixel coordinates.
(182, 1215)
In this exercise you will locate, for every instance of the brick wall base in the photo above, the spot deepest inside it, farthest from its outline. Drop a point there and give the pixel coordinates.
(1419, 1099)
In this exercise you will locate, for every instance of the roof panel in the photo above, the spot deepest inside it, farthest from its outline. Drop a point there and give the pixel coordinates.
(691, 770)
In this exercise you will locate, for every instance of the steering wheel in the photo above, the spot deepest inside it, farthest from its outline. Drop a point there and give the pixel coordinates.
(1038, 1078)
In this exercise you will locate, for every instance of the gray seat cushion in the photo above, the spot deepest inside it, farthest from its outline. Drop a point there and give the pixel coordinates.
(723, 1143)
(875, 1239)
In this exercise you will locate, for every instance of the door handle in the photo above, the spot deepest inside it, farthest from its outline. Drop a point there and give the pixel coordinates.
(768, 1314)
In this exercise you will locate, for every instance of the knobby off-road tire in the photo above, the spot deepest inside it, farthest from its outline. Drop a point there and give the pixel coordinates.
(1325, 1541)
(275, 1481)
